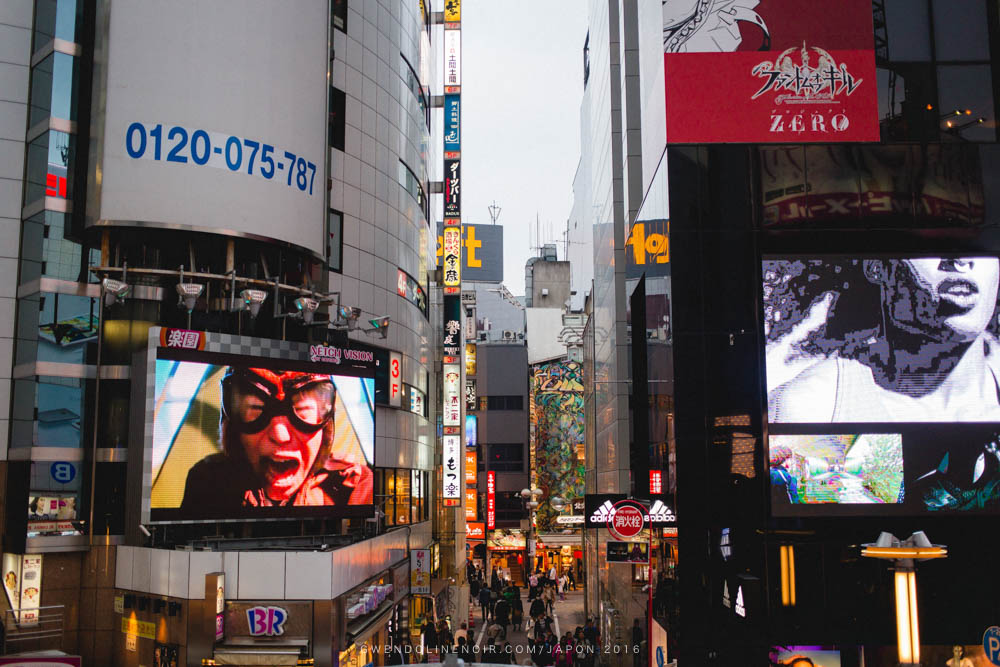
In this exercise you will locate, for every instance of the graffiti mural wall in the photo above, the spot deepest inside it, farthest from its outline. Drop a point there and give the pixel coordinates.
(557, 430)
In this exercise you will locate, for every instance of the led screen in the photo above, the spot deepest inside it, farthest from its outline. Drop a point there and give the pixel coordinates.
(882, 383)
(245, 437)
(856, 469)
(805, 656)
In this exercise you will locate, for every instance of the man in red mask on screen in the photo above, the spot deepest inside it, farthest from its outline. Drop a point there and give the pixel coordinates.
(277, 431)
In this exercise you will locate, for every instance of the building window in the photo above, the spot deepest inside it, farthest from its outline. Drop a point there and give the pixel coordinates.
(335, 240)
(52, 91)
(338, 14)
(402, 495)
(338, 104)
(505, 403)
(413, 84)
(57, 19)
(502, 457)
(412, 185)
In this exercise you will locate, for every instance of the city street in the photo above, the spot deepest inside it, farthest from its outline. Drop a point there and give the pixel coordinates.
(567, 615)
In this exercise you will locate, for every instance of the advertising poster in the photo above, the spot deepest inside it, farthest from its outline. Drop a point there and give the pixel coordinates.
(247, 437)
(628, 552)
(770, 71)
(165, 655)
(31, 588)
(12, 579)
(420, 572)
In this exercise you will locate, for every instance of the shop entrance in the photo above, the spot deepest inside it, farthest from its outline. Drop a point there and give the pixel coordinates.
(508, 564)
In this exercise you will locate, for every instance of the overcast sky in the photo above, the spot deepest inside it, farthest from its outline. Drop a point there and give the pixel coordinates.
(522, 82)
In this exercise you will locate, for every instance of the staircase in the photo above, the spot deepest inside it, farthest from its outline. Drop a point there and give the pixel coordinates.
(517, 573)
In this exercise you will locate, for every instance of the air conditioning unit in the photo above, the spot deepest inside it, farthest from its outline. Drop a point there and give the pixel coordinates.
(509, 335)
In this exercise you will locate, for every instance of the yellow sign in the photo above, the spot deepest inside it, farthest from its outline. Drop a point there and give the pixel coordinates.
(470, 358)
(133, 626)
(452, 245)
(649, 246)
(452, 11)
(471, 243)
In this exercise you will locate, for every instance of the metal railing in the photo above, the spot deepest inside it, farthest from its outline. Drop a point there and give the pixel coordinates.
(45, 631)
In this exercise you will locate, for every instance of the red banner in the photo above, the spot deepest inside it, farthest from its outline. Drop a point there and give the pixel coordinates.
(770, 71)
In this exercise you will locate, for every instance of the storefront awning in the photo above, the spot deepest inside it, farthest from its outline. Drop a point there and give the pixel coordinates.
(560, 539)
(257, 655)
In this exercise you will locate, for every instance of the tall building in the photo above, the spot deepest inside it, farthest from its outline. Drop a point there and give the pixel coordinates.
(218, 410)
(803, 230)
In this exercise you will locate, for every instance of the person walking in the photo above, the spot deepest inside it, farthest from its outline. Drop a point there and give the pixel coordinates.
(516, 613)
(561, 587)
(549, 595)
(502, 615)
(536, 610)
(637, 637)
(572, 578)
(484, 602)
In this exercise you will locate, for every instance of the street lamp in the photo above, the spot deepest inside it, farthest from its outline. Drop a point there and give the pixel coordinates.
(530, 497)
(905, 555)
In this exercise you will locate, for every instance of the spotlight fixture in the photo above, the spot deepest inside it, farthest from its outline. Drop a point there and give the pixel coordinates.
(143, 603)
(379, 324)
(173, 608)
(252, 300)
(188, 293)
(347, 316)
(129, 601)
(114, 291)
(158, 605)
(307, 308)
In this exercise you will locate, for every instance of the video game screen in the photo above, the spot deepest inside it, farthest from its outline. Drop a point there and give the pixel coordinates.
(238, 437)
(882, 384)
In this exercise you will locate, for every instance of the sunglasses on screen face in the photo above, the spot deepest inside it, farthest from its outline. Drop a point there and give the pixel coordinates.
(250, 402)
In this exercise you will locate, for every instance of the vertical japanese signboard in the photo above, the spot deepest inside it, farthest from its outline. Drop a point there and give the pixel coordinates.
(420, 572)
(31, 588)
(471, 504)
(814, 80)
(452, 483)
(452, 60)
(452, 124)
(452, 11)
(452, 340)
(491, 500)
(452, 264)
(452, 191)
(452, 409)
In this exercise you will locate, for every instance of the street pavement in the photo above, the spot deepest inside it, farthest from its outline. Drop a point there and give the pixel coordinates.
(567, 615)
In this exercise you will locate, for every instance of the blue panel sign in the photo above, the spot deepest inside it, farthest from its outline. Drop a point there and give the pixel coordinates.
(63, 472)
(452, 123)
(991, 644)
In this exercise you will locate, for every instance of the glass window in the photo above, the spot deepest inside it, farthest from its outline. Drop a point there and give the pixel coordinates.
(338, 104)
(907, 26)
(335, 240)
(389, 492)
(968, 89)
(960, 30)
(412, 82)
(56, 327)
(49, 159)
(402, 496)
(338, 14)
(46, 251)
(48, 412)
(56, 18)
(52, 92)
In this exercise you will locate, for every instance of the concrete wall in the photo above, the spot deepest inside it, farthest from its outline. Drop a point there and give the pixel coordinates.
(15, 58)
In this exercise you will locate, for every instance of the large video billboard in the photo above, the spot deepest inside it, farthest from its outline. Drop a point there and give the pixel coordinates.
(213, 117)
(242, 436)
(770, 71)
(883, 383)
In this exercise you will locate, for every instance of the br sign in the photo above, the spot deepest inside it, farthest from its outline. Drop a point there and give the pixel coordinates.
(626, 519)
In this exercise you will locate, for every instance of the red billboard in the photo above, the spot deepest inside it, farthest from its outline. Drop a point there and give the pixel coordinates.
(770, 71)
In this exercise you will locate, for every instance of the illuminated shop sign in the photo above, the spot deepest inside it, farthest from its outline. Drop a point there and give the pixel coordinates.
(471, 467)
(471, 431)
(482, 254)
(470, 358)
(491, 500)
(452, 11)
(647, 250)
(471, 504)
(452, 468)
(470, 395)
(452, 407)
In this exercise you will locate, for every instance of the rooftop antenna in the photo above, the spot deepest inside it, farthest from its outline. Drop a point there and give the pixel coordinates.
(494, 211)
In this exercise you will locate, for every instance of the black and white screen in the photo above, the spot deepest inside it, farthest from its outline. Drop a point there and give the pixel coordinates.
(883, 383)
